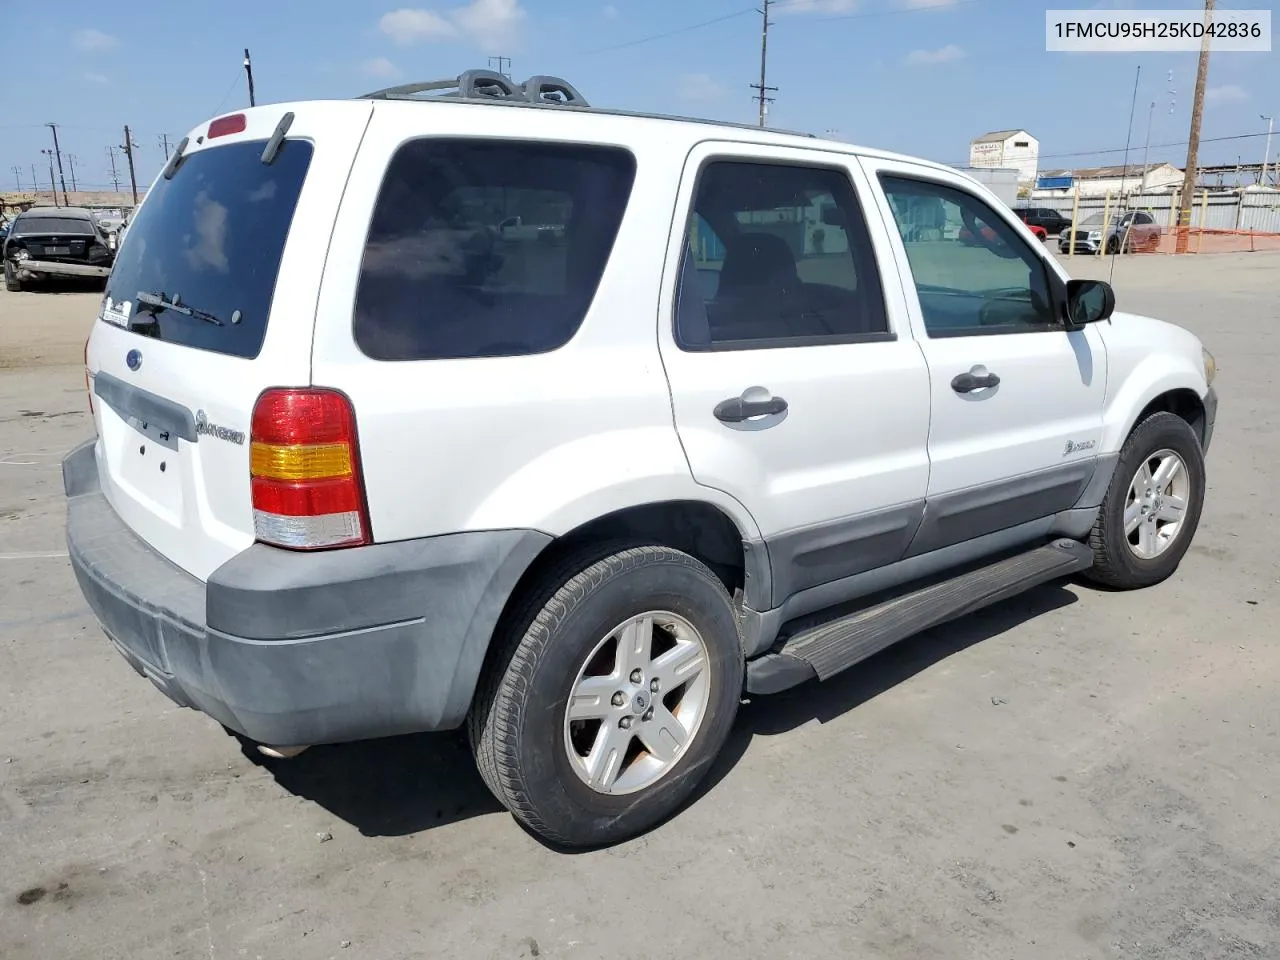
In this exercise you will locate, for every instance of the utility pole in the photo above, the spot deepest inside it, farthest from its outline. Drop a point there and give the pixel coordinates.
(1266, 152)
(71, 162)
(1146, 150)
(762, 91)
(248, 72)
(115, 177)
(127, 147)
(17, 176)
(53, 186)
(498, 62)
(1193, 140)
(35, 181)
(164, 143)
(57, 152)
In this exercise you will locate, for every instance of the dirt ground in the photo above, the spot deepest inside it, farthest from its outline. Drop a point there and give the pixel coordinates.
(1072, 774)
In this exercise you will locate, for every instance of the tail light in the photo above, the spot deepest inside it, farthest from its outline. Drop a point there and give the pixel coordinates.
(308, 493)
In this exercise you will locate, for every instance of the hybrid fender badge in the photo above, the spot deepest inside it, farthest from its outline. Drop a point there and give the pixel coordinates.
(206, 429)
(1078, 446)
(133, 359)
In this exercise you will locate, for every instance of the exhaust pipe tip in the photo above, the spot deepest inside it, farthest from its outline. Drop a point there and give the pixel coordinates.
(279, 753)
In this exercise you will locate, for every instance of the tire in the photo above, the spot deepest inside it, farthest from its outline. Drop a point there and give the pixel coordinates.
(1119, 562)
(1113, 245)
(532, 758)
(11, 281)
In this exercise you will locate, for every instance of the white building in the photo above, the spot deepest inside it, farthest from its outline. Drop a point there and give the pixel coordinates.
(1117, 180)
(1014, 149)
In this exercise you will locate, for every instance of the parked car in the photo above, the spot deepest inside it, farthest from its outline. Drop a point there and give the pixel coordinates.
(1049, 221)
(46, 242)
(355, 476)
(1134, 230)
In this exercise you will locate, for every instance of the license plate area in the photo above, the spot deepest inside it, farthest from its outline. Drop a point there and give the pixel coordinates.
(57, 251)
(147, 462)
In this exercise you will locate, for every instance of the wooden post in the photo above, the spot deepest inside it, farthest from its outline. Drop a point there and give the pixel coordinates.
(1106, 224)
(1204, 216)
(1075, 213)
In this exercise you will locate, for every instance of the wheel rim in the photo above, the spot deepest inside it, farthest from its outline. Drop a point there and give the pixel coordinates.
(1155, 509)
(637, 703)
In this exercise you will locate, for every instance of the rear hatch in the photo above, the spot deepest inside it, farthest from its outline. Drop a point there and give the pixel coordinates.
(211, 300)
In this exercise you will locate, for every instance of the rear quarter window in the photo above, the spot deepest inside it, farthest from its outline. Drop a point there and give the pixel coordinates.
(483, 248)
(213, 235)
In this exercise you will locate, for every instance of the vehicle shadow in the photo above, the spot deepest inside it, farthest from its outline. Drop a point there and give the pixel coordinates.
(65, 285)
(403, 785)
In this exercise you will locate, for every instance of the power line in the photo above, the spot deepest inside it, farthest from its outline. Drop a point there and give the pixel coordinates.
(1103, 152)
(668, 33)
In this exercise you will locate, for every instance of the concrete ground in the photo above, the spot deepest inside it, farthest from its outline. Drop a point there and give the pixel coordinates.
(1072, 774)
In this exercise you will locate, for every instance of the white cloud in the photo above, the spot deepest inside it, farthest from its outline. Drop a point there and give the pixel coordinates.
(95, 78)
(492, 24)
(1227, 93)
(91, 39)
(700, 87)
(817, 6)
(380, 67)
(942, 55)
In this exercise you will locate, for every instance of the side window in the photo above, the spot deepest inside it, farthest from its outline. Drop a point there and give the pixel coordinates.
(482, 248)
(1141, 217)
(975, 275)
(777, 255)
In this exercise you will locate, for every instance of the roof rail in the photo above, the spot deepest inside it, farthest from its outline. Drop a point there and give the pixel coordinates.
(488, 85)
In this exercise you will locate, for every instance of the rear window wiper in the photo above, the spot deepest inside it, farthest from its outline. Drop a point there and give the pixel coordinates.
(154, 303)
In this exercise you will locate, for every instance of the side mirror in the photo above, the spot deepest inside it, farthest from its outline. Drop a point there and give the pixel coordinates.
(1089, 301)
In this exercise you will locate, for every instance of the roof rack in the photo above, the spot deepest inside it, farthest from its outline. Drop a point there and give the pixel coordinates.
(488, 85)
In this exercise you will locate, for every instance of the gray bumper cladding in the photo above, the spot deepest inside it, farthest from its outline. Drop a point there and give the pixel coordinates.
(300, 648)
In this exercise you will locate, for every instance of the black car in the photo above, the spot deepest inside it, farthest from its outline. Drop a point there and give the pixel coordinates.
(46, 242)
(1047, 218)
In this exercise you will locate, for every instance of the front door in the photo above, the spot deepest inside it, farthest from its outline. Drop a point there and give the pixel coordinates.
(796, 385)
(1017, 398)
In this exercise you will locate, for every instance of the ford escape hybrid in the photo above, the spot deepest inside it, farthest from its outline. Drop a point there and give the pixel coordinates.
(468, 405)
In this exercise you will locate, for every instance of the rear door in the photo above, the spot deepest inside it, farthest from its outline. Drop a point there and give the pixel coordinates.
(236, 246)
(795, 383)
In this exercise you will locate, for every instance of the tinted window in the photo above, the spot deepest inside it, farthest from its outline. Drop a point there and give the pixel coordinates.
(1142, 218)
(212, 236)
(777, 254)
(28, 226)
(482, 248)
(975, 275)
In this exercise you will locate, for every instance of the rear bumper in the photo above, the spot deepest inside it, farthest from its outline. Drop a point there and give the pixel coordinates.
(300, 648)
(30, 269)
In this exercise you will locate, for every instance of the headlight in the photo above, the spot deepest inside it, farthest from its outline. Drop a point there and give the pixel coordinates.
(1095, 234)
(1210, 365)
(21, 254)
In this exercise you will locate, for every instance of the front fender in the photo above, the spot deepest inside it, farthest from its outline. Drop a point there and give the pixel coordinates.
(588, 478)
(1153, 376)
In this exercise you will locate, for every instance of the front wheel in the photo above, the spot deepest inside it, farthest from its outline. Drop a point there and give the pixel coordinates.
(1113, 245)
(1152, 508)
(619, 686)
(11, 281)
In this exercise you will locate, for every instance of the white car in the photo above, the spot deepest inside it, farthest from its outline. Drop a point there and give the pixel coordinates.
(365, 466)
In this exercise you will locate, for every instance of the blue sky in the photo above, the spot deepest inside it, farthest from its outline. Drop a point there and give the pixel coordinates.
(884, 73)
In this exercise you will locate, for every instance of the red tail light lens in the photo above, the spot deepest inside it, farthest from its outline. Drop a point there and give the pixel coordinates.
(224, 126)
(308, 493)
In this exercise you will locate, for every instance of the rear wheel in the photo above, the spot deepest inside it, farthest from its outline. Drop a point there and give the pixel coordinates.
(1152, 508)
(11, 281)
(618, 687)
(1113, 245)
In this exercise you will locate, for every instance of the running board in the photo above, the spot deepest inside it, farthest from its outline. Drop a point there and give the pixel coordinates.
(829, 648)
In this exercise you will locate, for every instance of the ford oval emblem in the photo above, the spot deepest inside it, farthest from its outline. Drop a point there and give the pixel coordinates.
(133, 359)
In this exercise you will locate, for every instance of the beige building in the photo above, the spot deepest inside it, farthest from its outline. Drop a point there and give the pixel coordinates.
(1007, 149)
(1099, 181)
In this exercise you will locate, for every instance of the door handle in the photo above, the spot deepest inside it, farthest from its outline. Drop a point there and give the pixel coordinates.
(969, 382)
(737, 409)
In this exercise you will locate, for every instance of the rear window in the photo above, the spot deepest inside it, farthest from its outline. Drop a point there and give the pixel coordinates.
(484, 248)
(57, 226)
(212, 237)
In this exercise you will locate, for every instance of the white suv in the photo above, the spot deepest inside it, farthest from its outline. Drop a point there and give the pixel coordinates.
(367, 463)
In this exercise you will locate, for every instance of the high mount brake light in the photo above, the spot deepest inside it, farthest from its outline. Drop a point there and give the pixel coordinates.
(308, 492)
(224, 126)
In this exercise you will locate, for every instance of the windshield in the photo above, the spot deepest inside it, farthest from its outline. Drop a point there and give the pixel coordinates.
(211, 238)
(1093, 221)
(57, 226)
